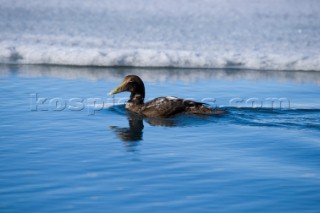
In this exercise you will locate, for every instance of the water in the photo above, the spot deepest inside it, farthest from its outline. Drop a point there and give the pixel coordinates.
(274, 34)
(250, 160)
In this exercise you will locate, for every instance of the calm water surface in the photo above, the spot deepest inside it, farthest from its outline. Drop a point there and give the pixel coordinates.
(257, 158)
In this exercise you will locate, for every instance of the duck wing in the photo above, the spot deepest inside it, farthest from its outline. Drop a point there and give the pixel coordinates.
(163, 107)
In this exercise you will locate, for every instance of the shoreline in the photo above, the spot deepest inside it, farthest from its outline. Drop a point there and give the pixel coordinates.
(163, 74)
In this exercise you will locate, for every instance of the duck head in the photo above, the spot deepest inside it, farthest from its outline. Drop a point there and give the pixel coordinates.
(132, 84)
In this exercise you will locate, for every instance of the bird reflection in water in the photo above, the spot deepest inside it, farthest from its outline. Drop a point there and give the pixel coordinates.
(133, 134)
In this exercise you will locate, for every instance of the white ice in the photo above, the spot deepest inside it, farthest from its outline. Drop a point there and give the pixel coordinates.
(254, 34)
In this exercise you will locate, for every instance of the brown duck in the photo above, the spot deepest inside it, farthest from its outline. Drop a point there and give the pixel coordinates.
(161, 107)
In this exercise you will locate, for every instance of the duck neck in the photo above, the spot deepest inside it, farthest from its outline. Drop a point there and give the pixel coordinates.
(137, 98)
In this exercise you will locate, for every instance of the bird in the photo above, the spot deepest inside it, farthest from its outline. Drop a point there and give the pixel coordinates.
(161, 107)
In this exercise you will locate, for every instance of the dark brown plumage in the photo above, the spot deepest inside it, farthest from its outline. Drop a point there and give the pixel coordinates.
(161, 107)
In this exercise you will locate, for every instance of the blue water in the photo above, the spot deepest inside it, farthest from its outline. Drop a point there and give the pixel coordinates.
(251, 160)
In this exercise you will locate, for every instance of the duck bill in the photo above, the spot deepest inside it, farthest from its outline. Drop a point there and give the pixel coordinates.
(118, 89)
